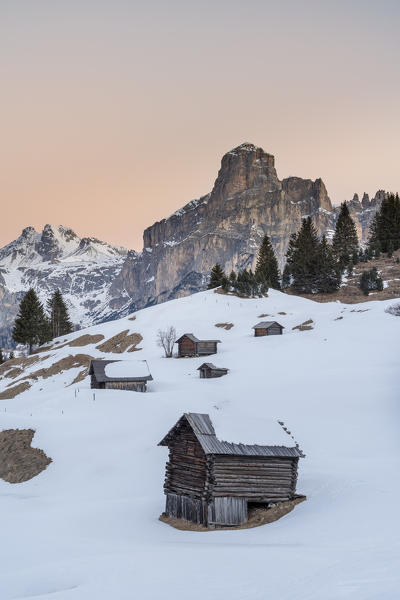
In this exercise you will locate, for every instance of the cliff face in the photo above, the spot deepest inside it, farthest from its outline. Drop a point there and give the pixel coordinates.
(226, 226)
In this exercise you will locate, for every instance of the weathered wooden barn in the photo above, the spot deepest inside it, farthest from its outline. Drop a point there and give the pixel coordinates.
(119, 375)
(190, 345)
(212, 482)
(209, 371)
(268, 328)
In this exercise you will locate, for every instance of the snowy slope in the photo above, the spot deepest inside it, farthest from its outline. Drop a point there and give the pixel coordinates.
(87, 527)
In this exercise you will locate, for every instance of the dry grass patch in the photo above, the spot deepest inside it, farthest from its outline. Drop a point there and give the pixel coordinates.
(85, 340)
(11, 392)
(263, 315)
(121, 342)
(226, 326)
(18, 460)
(69, 362)
(338, 318)
(306, 326)
(132, 318)
(14, 373)
(258, 515)
(281, 313)
(22, 361)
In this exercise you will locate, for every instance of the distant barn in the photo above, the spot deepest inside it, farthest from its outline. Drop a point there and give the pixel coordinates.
(212, 482)
(190, 345)
(208, 371)
(268, 328)
(119, 375)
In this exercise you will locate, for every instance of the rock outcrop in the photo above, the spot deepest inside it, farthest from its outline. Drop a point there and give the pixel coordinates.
(227, 226)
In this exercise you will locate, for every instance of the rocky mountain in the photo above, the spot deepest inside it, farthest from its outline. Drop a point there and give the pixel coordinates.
(227, 226)
(103, 282)
(82, 268)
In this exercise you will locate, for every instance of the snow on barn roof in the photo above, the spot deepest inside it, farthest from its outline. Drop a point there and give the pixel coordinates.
(120, 370)
(266, 324)
(204, 431)
(211, 366)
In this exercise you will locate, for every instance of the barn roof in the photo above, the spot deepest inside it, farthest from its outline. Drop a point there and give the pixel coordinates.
(211, 366)
(267, 325)
(195, 339)
(124, 370)
(204, 431)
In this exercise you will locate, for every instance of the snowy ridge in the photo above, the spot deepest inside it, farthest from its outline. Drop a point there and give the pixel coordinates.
(92, 515)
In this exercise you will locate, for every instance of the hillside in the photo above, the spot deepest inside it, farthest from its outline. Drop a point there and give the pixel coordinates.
(87, 526)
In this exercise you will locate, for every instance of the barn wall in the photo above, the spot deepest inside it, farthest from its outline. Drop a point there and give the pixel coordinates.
(186, 469)
(206, 348)
(260, 332)
(186, 507)
(254, 477)
(227, 511)
(274, 331)
(186, 347)
(133, 386)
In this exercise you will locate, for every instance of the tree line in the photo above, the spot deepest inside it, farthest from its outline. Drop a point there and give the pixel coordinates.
(36, 325)
(313, 265)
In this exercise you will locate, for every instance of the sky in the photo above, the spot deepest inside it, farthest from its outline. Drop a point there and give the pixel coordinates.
(116, 113)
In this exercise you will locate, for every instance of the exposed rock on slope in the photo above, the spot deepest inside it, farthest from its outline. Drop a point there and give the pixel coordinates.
(227, 226)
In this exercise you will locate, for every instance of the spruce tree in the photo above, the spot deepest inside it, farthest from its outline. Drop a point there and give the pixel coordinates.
(216, 277)
(385, 226)
(286, 277)
(2, 359)
(31, 326)
(11, 355)
(303, 258)
(345, 240)
(60, 322)
(328, 274)
(267, 266)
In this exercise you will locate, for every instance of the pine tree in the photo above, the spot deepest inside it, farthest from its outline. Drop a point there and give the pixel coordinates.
(385, 226)
(216, 277)
(328, 274)
(2, 359)
(345, 240)
(60, 322)
(286, 277)
(11, 355)
(31, 326)
(370, 280)
(303, 258)
(267, 266)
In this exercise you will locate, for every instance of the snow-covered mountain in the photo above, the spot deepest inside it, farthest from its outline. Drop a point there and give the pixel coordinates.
(82, 268)
(87, 526)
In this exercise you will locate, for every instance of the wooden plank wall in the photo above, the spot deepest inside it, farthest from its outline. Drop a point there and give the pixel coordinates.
(134, 386)
(227, 511)
(254, 477)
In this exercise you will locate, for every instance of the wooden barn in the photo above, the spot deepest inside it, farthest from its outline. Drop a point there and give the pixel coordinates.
(119, 375)
(189, 345)
(268, 328)
(209, 371)
(211, 482)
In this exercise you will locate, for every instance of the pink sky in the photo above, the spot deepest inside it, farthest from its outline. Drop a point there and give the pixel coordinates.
(115, 114)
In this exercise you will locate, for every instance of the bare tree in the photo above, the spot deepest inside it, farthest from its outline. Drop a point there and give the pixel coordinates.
(166, 340)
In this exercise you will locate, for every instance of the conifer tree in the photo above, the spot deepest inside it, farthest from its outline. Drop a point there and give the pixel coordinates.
(216, 277)
(31, 326)
(286, 277)
(60, 323)
(11, 355)
(345, 240)
(385, 226)
(302, 258)
(267, 266)
(328, 274)
(2, 359)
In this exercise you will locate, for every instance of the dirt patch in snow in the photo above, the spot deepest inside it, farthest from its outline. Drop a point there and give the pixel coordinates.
(121, 343)
(18, 460)
(85, 340)
(226, 326)
(132, 318)
(258, 515)
(338, 318)
(14, 373)
(11, 392)
(305, 326)
(69, 362)
(281, 313)
(22, 361)
(263, 315)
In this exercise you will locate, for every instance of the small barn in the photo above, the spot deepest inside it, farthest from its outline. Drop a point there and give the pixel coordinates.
(190, 345)
(212, 483)
(208, 371)
(268, 328)
(130, 375)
